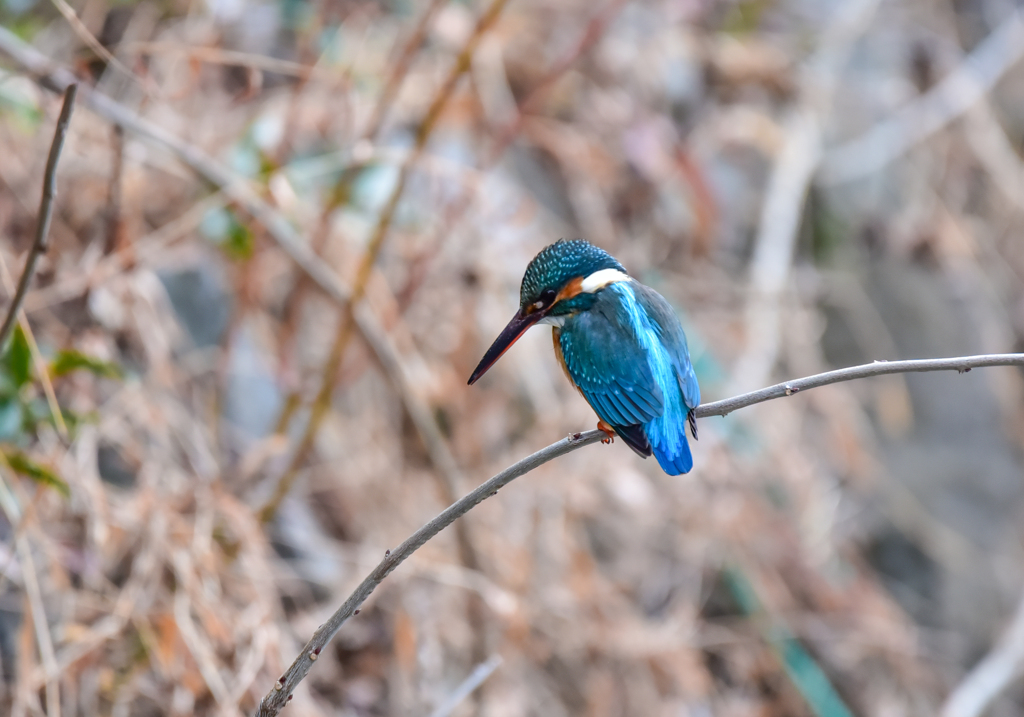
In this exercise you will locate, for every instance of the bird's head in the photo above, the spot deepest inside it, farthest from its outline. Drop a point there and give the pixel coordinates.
(561, 280)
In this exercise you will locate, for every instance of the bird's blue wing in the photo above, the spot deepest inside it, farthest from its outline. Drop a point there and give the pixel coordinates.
(673, 339)
(608, 365)
(628, 356)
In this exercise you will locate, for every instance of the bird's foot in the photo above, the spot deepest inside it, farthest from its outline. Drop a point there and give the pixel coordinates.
(608, 430)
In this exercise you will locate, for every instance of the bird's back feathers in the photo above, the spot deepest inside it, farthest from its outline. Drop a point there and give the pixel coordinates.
(627, 355)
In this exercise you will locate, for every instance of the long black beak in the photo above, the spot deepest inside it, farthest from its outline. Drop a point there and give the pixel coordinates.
(516, 328)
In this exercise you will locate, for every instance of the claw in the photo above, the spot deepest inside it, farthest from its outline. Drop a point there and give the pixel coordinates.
(608, 430)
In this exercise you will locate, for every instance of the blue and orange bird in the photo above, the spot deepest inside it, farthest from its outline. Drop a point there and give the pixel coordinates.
(620, 344)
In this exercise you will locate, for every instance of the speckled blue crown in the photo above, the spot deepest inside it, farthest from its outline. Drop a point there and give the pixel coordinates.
(559, 262)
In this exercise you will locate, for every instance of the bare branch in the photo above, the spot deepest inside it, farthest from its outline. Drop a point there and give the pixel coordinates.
(239, 191)
(322, 402)
(278, 696)
(961, 364)
(297, 671)
(400, 69)
(476, 678)
(41, 242)
(57, 78)
(218, 56)
(774, 247)
(88, 38)
(992, 675)
(15, 517)
(785, 195)
(948, 100)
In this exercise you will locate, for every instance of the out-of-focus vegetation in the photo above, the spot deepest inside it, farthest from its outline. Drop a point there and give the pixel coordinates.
(855, 550)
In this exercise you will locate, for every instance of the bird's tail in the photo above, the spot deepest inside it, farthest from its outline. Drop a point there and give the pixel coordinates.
(676, 459)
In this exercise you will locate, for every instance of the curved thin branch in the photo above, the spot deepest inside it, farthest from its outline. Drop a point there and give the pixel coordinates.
(281, 693)
(961, 364)
(41, 242)
(283, 688)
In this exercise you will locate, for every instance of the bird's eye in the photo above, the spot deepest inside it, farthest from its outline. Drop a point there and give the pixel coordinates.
(547, 297)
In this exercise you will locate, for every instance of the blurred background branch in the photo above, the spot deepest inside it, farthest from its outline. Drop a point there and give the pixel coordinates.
(476, 678)
(322, 402)
(788, 184)
(918, 120)
(992, 675)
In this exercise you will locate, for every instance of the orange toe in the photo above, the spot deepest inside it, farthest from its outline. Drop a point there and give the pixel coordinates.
(608, 430)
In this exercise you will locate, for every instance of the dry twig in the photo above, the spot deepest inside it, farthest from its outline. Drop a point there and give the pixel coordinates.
(220, 56)
(380, 110)
(239, 191)
(992, 675)
(400, 69)
(37, 357)
(787, 188)
(88, 38)
(10, 508)
(57, 79)
(948, 100)
(321, 403)
(41, 242)
(476, 678)
(297, 671)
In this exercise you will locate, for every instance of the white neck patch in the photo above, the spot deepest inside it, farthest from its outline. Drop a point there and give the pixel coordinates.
(558, 321)
(600, 279)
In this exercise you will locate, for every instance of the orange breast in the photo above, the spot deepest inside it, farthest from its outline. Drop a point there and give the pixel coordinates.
(555, 334)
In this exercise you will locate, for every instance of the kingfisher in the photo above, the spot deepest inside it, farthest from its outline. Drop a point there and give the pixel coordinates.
(619, 343)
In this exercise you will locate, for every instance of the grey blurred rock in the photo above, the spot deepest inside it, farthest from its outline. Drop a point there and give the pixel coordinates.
(253, 399)
(540, 173)
(10, 625)
(114, 468)
(200, 299)
(11, 601)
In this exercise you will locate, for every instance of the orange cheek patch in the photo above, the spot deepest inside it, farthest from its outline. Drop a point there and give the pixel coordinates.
(573, 288)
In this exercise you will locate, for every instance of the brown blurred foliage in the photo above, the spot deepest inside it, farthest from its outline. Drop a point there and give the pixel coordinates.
(868, 534)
